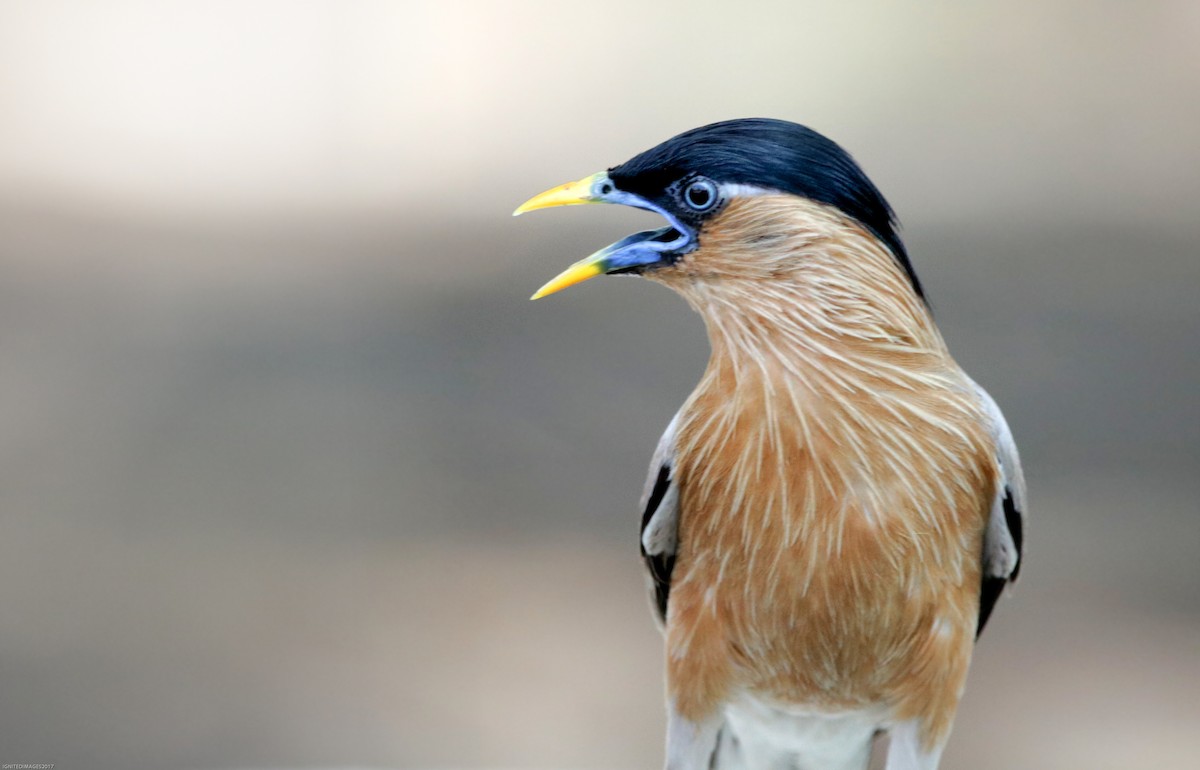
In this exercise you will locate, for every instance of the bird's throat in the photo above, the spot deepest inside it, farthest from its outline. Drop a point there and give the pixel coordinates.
(774, 272)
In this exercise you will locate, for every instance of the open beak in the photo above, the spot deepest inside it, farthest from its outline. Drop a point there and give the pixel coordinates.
(630, 254)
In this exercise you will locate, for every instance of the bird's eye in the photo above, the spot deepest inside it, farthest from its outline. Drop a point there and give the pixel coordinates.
(700, 195)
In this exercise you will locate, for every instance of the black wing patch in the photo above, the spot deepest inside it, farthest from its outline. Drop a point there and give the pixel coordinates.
(658, 565)
(988, 596)
(993, 585)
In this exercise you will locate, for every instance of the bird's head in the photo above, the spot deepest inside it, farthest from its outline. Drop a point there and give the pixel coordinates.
(745, 201)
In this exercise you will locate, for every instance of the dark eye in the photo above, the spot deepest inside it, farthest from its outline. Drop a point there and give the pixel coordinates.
(700, 194)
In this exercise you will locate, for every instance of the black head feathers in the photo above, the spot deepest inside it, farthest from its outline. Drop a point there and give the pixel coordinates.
(772, 154)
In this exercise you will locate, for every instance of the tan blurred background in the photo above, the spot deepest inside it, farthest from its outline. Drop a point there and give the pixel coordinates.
(294, 475)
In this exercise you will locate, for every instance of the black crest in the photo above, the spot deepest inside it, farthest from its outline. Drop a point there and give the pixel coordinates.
(773, 154)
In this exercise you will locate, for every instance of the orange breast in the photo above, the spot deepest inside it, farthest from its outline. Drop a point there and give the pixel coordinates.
(830, 542)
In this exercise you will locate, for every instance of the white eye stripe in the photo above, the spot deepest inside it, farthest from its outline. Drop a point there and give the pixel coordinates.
(733, 190)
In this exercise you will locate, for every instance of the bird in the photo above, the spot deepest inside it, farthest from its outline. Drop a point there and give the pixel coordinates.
(833, 513)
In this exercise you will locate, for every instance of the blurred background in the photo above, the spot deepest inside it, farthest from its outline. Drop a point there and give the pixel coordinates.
(293, 474)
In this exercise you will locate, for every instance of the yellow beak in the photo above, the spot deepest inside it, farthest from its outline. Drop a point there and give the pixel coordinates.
(569, 194)
(632, 252)
(576, 273)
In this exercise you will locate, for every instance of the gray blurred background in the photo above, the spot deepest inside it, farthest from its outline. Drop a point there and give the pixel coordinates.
(294, 475)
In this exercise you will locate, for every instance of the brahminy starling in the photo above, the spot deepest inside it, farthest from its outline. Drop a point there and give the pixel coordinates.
(832, 514)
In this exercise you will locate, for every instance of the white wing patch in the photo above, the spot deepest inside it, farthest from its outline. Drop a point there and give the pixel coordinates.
(660, 519)
(1004, 539)
(660, 536)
